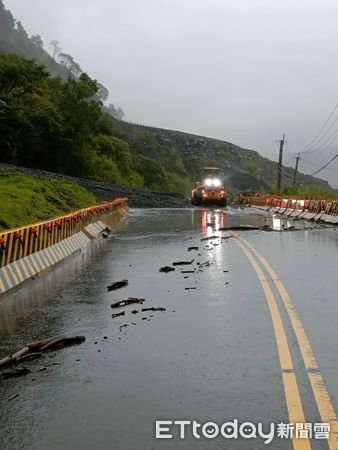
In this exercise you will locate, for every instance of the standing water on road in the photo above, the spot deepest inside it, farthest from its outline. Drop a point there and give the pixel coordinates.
(203, 349)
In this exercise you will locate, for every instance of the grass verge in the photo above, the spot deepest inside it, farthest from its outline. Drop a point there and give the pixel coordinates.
(25, 199)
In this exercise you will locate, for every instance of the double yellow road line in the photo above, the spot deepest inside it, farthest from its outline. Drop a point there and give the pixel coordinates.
(293, 399)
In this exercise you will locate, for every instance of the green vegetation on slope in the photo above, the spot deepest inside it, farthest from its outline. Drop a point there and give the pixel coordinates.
(60, 126)
(24, 199)
(52, 117)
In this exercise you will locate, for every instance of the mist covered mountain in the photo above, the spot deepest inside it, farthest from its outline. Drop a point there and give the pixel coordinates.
(154, 158)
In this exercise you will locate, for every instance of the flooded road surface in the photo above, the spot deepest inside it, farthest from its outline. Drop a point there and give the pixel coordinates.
(225, 348)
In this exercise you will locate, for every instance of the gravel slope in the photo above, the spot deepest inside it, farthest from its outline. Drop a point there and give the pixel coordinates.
(138, 198)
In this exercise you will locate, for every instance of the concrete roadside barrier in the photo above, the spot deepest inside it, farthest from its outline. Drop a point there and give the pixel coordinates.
(28, 251)
(325, 211)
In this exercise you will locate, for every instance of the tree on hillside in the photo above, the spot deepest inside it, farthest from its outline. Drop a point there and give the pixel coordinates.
(68, 61)
(37, 40)
(117, 113)
(22, 32)
(102, 92)
(19, 76)
(56, 49)
(57, 125)
(30, 122)
(7, 24)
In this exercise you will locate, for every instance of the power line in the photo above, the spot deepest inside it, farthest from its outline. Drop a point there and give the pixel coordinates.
(317, 165)
(322, 128)
(322, 168)
(311, 149)
(328, 141)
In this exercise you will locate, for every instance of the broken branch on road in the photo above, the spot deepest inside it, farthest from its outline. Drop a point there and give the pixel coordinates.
(183, 263)
(118, 314)
(154, 309)
(33, 350)
(167, 269)
(129, 301)
(117, 285)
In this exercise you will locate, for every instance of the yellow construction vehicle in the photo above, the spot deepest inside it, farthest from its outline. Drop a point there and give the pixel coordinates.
(209, 188)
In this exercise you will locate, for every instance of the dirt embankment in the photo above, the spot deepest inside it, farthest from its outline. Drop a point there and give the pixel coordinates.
(138, 198)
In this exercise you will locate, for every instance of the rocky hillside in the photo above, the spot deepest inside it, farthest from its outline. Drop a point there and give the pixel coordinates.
(243, 169)
(102, 191)
(156, 159)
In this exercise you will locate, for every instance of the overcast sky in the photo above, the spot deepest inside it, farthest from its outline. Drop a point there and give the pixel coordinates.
(240, 70)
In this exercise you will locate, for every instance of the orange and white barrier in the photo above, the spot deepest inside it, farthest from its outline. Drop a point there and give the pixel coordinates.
(317, 210)
(29, 250)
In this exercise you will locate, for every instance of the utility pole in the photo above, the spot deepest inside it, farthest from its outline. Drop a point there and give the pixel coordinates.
(296, 170)
(280, 162)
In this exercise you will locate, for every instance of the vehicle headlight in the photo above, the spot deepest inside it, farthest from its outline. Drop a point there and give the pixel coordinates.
(216, 182)
(208, 182)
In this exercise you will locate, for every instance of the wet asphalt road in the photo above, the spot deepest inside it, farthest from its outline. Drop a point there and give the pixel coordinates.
(211, 356)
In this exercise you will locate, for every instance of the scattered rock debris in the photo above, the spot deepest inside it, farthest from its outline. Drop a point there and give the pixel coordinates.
(154, 309)
(190, 288)
(106, 232)
(117, 285)
(208, 238)
(135, 311)
(129, 301)
(167, 269)
(193, 248)
(118, 314)
(187, 271)
(183, 263)
(206, 264)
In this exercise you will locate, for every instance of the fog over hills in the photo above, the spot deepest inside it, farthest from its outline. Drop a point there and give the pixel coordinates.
(190, 66)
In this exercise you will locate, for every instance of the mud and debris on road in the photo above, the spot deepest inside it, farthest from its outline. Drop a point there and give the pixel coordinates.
(118, 314)
(183, 263)
(167, 269)
(153, 308)
(117, 285)
(129, 301)
(203, 344)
